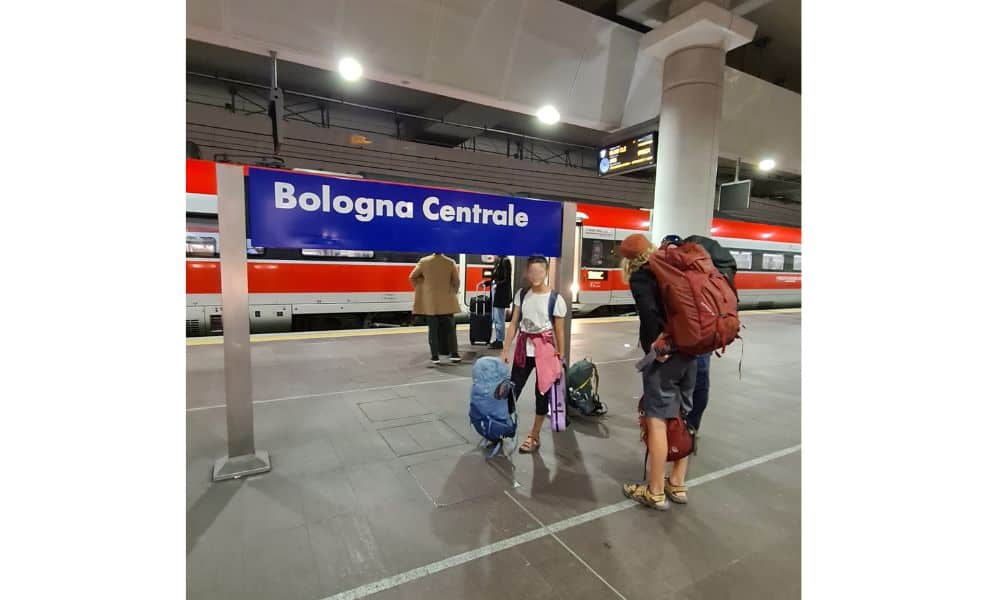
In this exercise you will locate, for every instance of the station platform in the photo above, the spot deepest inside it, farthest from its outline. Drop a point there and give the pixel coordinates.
(378, 490)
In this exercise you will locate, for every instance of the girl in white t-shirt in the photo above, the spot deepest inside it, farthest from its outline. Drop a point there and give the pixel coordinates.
(538, 343)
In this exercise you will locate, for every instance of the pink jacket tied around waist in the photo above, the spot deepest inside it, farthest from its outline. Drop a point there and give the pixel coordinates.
(547, 367)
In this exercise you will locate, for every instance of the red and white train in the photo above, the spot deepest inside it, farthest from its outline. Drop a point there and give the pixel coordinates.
(323, 289)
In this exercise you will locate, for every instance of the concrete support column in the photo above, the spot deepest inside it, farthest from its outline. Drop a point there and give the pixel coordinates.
(688, 142)
(693, 47)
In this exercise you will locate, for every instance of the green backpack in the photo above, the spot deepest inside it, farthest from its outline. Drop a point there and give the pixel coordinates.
(581, 382)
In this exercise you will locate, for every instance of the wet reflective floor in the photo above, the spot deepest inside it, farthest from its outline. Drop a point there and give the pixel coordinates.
(378, 489)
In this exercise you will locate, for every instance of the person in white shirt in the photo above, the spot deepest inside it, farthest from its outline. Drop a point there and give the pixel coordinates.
(537, 321)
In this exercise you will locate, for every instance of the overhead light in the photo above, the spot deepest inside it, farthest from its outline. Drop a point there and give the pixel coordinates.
(548, 115)
(350, 69)
(766, 165)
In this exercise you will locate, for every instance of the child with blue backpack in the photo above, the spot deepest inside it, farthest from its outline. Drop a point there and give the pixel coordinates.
(537, 321)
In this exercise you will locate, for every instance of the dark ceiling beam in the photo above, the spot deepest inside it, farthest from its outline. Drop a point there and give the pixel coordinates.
(395, 112)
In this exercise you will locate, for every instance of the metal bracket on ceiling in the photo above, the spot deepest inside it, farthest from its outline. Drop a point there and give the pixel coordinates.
(276, 106)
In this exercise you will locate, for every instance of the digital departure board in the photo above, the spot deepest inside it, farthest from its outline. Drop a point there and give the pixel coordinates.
(629, 155)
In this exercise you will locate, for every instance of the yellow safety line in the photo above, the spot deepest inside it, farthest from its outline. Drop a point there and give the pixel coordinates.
(321, 335)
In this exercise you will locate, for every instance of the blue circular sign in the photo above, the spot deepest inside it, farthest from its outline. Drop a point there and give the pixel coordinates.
(605, 165)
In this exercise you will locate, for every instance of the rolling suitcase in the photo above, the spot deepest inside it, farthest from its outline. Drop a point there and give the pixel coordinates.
(480, 315)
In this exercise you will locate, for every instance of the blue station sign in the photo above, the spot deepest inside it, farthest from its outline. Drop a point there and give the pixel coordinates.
(297, 210)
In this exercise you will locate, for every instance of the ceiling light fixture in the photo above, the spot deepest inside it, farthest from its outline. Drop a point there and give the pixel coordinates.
(548, 115)
(766, 165)
(350, 69)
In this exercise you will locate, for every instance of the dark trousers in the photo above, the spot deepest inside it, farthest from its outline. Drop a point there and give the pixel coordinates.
(700, 399)
(519, 375)
(441, 335)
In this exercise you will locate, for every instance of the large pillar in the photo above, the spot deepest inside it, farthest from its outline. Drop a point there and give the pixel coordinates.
(693, 47)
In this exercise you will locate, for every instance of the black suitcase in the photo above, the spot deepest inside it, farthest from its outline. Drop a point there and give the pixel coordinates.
(480, 316)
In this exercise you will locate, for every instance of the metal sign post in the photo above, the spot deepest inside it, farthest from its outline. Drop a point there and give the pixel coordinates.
(243, 458)
(565, 272)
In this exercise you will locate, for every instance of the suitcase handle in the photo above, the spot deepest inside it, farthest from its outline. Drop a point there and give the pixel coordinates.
(481, 290)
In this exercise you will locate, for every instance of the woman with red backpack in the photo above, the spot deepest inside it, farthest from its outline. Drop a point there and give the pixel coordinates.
(668, 381)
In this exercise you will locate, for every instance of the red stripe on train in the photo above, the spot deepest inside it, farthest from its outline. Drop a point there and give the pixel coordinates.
(613, 216)
(768, 281)
(755, 231)
(292, 278)
(278, 278)
(633, 218)
(201, 177)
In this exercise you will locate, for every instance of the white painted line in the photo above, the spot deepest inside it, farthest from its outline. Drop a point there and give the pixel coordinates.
(624, 360)
(530, 536)
(563, 544)
(307, 396)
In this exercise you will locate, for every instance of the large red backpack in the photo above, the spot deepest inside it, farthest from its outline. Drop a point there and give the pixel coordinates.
(699, 302)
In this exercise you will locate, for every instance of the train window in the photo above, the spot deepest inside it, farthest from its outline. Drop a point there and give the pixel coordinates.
(202, 224)
(598, 254)
(773, 262)
(202, 244)
(744, 260)
(338, 253)
(797, 262)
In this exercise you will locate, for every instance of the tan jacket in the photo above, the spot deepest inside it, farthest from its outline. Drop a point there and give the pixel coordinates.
(435, 279)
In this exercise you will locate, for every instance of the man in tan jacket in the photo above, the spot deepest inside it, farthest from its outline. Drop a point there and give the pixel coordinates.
(435, 281)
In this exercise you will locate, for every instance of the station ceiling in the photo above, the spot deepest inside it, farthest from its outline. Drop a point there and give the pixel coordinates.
(254, 68)
(775, 55)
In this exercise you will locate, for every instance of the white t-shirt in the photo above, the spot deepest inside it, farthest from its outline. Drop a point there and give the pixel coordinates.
(535, 313)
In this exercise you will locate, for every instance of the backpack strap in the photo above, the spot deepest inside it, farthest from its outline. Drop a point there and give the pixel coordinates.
(520, 305)
(553, 297)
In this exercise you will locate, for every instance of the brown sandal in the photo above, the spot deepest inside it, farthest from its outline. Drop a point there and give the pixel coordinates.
(640, 493)
(676, 493)
(529, 445)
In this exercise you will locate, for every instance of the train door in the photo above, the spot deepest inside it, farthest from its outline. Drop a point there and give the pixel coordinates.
(621, 293)
(476, 269)
(597, 263)
(577, 242)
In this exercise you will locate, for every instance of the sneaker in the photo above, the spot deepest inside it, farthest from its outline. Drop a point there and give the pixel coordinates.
(641, 494)
(496, 345)
(435, 360)
(456, 359)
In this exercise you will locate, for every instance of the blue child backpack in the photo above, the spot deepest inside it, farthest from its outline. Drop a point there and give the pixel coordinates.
(491, 402)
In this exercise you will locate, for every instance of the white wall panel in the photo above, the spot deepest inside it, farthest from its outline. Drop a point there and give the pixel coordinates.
(471, 35)
(760, 120)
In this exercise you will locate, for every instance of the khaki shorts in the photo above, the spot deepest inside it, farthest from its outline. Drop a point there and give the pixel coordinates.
(669, 386)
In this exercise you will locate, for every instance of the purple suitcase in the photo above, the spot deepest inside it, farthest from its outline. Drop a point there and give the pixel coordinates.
(557, 405)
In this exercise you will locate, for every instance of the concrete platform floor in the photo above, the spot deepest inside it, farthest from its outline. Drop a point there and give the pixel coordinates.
(378, 489)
